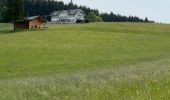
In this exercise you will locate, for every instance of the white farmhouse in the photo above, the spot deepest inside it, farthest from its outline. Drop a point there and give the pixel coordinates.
(67, 16)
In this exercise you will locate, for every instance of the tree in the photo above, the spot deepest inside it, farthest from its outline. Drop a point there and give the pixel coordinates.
(2, 3)
(71, 5)
(0, 16)
(4, 14)
(119, 18)
(91, 17)
(146, 19)
(15, 10)
(98, 19)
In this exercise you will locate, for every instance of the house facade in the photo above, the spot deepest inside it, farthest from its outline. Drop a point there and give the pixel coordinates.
(67, 16)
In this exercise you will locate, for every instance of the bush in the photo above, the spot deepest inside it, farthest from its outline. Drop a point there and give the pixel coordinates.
(86, 20)
(93, 18)
(98, 19)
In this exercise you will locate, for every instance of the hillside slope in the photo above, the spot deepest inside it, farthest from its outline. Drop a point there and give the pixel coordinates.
(86, 61)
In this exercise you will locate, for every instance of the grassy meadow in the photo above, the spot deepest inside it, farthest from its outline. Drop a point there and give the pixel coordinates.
(96, 61)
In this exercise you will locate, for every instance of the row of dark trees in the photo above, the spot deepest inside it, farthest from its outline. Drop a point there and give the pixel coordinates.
(11, 10)
(119, 18)
(2, 3)
(45, 7)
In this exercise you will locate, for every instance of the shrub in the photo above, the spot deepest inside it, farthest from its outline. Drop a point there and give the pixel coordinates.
(93, 18)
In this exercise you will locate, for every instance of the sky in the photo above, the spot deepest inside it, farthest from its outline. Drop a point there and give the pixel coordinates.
(157, 10)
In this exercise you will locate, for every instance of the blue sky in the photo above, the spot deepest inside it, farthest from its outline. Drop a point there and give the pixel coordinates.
(157, 10)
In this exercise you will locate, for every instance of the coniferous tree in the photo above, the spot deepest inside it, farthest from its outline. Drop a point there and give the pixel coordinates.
(146, 19)
(15, 10)
(2, 3)
(4, 15)
(1, 18)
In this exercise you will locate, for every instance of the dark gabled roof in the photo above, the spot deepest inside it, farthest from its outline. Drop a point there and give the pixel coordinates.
(69, 12)
(73, 12)
(56, 13)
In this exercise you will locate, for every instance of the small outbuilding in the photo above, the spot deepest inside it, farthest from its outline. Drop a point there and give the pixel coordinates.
(34, 22)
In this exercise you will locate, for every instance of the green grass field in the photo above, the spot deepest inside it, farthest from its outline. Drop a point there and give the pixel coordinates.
(97, 61)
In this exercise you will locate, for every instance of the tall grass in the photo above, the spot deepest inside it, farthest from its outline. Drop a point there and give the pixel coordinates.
(145, 81)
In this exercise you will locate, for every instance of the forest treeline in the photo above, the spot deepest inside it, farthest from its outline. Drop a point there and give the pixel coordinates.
(28, 8)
